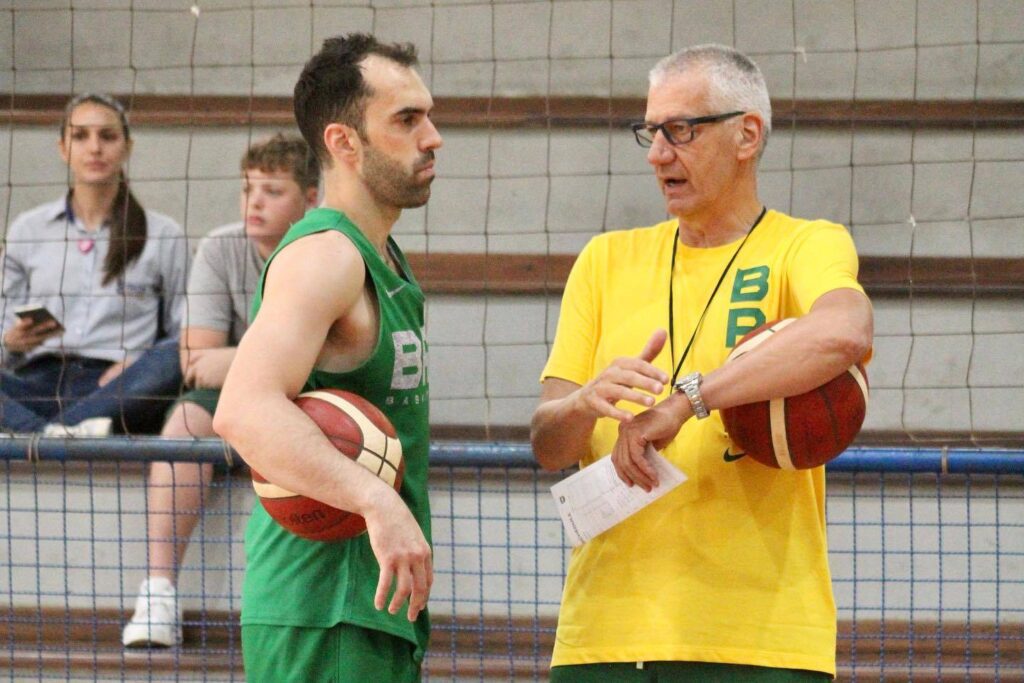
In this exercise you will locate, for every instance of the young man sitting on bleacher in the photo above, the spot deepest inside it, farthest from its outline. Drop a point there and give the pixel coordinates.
(279, 182)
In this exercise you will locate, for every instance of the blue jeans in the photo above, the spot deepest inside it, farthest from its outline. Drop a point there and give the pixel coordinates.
(65, 390)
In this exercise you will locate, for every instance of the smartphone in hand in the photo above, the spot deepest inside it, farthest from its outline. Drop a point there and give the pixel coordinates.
(38, 314)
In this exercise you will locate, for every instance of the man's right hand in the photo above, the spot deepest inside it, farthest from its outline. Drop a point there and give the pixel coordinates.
(622, 380)
(403, 554)
(24, 336)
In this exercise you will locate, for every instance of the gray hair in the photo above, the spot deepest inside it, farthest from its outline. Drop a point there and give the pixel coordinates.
(735, 80)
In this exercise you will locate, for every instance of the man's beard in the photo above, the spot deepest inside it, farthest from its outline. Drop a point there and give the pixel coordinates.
(392, 185)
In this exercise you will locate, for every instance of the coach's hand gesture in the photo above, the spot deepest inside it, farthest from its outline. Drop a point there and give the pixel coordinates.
(403, 554)
(564, 422)
(623, 380)
(657, 427)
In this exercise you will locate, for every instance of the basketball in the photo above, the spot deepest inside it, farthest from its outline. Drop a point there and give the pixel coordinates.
(360, 431)
(803, 431)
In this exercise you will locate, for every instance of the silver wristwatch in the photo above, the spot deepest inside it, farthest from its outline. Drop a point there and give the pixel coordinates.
(690, 386)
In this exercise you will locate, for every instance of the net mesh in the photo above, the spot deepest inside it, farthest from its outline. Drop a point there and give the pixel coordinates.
(899, 119)
(926, 570)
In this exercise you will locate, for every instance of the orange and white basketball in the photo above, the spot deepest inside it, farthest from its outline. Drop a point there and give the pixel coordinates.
(360, 431)
(798, 432)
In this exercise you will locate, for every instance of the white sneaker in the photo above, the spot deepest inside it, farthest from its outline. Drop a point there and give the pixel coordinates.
(157, 618)
(94, 426)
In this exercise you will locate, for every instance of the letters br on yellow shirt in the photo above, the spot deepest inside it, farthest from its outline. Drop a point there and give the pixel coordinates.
(732, 566)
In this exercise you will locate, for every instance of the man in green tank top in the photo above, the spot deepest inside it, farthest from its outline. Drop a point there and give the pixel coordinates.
(338, 307)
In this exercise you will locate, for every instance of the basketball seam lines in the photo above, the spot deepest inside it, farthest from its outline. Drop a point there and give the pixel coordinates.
(780, 439)
(363, 422)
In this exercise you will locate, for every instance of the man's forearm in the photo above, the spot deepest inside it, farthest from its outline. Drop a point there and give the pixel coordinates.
(276, 439)
(805, 355)
(560, 433)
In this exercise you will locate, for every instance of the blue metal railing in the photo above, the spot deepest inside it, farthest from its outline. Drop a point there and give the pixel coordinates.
(934, 460)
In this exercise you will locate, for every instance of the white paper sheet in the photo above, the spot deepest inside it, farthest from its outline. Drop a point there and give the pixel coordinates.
(594, 499)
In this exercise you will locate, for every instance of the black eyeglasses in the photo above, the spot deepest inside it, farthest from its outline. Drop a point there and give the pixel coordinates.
(676, 131)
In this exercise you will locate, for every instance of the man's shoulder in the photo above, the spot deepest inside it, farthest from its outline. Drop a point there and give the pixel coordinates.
(620, 242)
(328, 255)
(804, 237)
(794, 224)
(317, 236)
(316, 222)
(223, 247)
(320, 218)
(236, 229)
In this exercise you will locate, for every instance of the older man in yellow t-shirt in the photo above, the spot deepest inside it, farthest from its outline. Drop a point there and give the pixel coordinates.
(725, 578)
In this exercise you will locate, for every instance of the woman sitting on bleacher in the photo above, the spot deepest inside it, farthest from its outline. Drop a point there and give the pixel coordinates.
(113, 277)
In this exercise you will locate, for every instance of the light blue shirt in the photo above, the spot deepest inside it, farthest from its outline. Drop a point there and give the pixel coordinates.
(50, 258)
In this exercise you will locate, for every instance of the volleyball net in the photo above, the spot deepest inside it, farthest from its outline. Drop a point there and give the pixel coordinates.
(900, 119)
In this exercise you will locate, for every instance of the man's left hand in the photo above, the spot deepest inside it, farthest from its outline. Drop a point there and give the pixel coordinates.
(207, 368)
(656, 426)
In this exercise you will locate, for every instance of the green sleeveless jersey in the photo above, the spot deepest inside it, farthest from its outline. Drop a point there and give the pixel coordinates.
(290, 581)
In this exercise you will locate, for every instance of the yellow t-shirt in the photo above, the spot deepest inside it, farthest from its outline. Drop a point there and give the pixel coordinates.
(732, 566)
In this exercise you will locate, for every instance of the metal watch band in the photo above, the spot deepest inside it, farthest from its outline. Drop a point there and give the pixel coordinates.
(690, 387)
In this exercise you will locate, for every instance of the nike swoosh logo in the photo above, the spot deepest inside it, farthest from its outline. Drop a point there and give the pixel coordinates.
(732, 457)
(391, 292)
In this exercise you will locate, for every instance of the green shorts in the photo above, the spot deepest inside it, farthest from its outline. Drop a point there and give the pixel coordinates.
(681, 672)
(204, 398)
(341, 654)
(207, 400)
